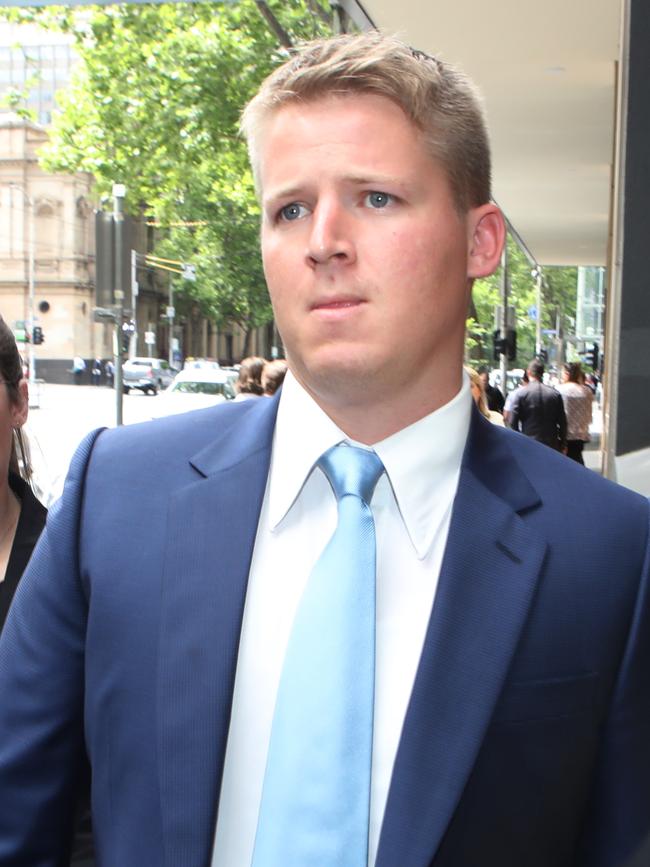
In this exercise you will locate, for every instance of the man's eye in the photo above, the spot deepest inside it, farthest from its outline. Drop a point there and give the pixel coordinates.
(292, 212)
(378, 199)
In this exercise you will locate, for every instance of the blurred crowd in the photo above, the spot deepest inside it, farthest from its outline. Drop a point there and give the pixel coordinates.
(556, 413)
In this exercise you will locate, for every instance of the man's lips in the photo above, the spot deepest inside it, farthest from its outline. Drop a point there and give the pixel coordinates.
(336, 303)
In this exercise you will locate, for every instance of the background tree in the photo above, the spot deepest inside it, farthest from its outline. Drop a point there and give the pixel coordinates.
(559, 292)
(154, 103)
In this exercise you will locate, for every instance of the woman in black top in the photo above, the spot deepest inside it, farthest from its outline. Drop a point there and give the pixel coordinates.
(22, 517)
(28, 528)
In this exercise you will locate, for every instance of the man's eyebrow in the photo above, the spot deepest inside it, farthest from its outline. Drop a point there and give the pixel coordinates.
(374, 180)
(282, 193)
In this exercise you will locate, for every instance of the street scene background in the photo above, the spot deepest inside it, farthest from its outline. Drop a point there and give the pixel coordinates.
(66, 413)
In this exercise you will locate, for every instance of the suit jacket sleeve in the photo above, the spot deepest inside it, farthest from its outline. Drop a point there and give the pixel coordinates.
(617, 833)
(41, 681)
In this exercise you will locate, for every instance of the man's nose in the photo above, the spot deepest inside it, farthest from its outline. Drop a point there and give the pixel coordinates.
(332, 234)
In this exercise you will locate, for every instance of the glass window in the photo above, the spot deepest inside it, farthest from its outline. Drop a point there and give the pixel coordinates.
(212, 388)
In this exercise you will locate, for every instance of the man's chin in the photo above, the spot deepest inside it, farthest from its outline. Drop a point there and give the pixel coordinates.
(339, 377)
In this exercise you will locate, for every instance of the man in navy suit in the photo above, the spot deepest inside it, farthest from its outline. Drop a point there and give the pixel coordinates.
(512, 702)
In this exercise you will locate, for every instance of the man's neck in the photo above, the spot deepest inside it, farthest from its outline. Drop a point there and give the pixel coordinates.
(371, 421)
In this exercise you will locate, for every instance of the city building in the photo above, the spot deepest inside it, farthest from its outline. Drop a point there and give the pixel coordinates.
(46, 252)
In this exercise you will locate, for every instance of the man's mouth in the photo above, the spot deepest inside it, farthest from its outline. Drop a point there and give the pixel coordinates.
(337, 303)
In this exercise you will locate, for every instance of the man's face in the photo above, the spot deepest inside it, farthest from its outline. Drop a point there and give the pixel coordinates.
(365, 254)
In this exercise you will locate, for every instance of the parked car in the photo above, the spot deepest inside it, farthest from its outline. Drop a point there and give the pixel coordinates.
(196, 388)
(513, 378)
(149, 375)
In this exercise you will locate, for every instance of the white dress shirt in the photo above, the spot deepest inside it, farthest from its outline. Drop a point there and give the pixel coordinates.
(412, 507)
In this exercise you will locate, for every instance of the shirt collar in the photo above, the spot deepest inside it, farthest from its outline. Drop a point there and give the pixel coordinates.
(302, 433)
(422, 461)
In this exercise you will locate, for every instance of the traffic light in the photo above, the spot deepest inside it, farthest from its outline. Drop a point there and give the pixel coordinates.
(591, 356)
(105, 277)
(128, 328)
(504, 345)
(543, 356)
(37, 335)
(498, 345)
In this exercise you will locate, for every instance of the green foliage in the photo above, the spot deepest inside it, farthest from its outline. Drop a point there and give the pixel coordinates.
(154, 104)
(559, 292)
(15, 99)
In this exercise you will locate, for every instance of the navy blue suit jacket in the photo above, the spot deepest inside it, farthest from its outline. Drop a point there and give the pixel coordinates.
(527, 738)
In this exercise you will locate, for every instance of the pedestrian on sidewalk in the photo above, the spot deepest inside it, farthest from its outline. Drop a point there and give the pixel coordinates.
(578, 406)
(96, 371)
(78, 368)
(537, 410)
(109, 367)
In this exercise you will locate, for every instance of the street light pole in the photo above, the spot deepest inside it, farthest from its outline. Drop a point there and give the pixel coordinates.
(32, 292)
(171, 315)
(538, 319)
(119, 191)
(503, 364)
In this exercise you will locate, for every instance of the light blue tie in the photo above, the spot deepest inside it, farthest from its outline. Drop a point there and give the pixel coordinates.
(316, 796)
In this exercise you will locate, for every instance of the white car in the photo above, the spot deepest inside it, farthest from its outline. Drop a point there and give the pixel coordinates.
(195, 388)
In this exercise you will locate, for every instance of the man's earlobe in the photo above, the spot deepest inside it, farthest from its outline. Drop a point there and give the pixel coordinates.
(488, 234)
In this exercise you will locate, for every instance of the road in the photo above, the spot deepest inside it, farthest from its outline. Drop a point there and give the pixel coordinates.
(66, 413)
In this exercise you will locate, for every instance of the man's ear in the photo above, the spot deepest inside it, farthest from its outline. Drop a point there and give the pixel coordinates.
(20, 408)
(487, 234)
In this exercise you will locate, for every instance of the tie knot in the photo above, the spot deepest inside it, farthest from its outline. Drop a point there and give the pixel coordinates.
(351, 470)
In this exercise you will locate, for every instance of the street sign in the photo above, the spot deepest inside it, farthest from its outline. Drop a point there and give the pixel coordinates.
(170, 313)
(20, 331)
(189, 272)
(149, 338)
(532, 313)
(103, 314)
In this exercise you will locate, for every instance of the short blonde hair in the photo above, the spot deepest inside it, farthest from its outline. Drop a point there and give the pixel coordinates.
(438, 98)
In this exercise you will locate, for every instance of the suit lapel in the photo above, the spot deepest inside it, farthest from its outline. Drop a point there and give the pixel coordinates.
(211, 532)
(486, 584)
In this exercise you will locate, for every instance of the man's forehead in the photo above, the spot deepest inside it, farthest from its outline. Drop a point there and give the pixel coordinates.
(320, 124)
(329, 100)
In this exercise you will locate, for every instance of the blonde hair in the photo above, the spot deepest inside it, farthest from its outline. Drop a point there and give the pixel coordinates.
(476, 380)
(438, 98)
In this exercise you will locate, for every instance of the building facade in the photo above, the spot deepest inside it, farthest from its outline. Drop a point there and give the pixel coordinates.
(46, 252)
